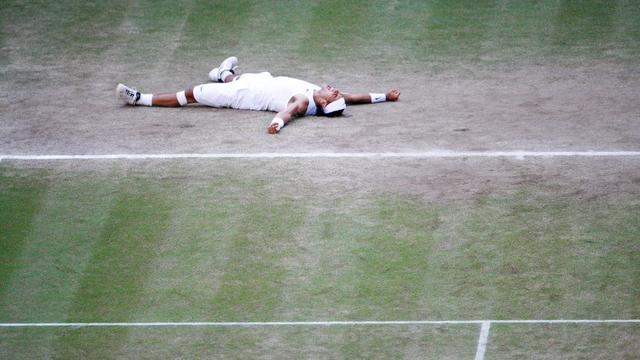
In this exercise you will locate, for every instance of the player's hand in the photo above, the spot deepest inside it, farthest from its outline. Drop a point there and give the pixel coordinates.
(393, 95)
(273, 129)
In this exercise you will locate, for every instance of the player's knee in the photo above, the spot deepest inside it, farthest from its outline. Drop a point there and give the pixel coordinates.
(189, 95)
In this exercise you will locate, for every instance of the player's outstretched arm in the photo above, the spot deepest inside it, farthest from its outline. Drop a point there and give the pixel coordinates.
(371, 98)
(297, 107)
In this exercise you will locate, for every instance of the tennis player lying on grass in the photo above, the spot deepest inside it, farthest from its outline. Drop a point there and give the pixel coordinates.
(288, 97)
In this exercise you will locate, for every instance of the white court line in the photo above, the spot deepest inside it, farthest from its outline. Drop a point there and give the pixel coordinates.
(319, 323)
(352, 155)
(482, 340)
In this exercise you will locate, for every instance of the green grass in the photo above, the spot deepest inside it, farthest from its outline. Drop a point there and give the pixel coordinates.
(133, 247)
(47, 32)
(19, 205)
(324, 34)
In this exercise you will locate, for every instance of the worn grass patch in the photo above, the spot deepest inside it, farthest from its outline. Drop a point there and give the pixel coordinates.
(564, 341)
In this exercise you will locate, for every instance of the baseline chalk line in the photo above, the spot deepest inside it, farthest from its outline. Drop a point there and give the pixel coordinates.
(435, 154)
(315, 323)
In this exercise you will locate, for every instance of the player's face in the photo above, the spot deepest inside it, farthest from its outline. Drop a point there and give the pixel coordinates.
(330, 93)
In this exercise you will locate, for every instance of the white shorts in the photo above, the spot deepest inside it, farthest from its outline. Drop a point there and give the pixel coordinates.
(235, 94)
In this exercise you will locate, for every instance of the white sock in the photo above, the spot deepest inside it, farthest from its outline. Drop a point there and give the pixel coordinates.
(145, 99)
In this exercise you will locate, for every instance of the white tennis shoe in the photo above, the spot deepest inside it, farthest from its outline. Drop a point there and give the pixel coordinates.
(229, 64)
(127, 95)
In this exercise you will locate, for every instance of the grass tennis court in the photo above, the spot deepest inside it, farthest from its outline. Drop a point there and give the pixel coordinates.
(322, 239)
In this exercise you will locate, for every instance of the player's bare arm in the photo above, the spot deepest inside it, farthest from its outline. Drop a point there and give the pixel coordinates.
(370, 98)
(297, 107)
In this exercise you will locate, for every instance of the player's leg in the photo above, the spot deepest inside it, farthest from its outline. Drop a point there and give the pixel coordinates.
(178, 99)
(211, 94)
(224, 95)
(131, 96)
(231, 77)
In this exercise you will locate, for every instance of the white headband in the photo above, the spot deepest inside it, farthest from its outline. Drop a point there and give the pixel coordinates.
(334, 106)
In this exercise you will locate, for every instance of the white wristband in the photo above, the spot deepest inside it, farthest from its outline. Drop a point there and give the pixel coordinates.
(280, 122)
(376, 98)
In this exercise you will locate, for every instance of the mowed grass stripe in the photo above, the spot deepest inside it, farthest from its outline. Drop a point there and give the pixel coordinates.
(393, 258)
(159, 30)
(614, 235)
(285, 33)
(54, 253)
(224, 257)
(46, 32)
(192, 257)
(224, 261)
(120, 262)
(215, 31)
(455, 30)
(334, 26)
(538, 258)
(363, 258)
(389, 273)
(20, 201)
(57, 248)
(260, 243)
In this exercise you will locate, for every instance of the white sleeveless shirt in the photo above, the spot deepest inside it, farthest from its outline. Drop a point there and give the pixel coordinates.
(264, 92)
